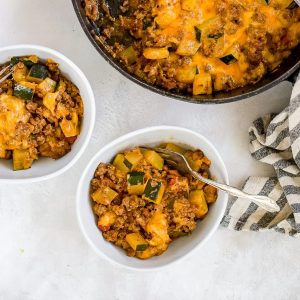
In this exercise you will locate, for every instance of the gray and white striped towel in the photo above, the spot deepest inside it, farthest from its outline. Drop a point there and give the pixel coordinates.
(275, 140)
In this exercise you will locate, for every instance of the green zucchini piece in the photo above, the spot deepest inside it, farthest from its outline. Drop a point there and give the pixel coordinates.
(135, 178)
(228, 59)
(215, 36)
(37, 73)
(136, 241)
(61, 87)
(119, 163)
(147, 23)
(154, 191)
(23, 92)
(292, 5)
(129, 55)
(197, 33)
(47, 86)
(136, 183)
(154, 159)
(16, 59)
(127, 163)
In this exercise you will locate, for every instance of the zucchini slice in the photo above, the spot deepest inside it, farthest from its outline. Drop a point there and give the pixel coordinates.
(61, 87)
(135, 178)
(198, 34)
(154, 159)
(132, 158)
(37, 73)
(197, 198)
(154, 191)
(23, 91)
(215, 36)
(47, 86)
(136, 183)
(104, 195)
(129, 55)
(175, 148)
(136, 241)
(21, 159)
(202, 84)
(119, 163)
(186, 74)
(228, 59)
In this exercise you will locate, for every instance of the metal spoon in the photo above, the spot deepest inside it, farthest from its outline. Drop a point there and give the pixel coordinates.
(179, 162)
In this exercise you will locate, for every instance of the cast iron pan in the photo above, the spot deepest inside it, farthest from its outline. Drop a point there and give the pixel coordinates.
(284, 71)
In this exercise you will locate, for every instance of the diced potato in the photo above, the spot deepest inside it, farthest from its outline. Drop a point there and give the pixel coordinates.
(197, 197)
(106, 220)
(175, 148)
(104, 195)
(186, 74)
(211, 194)
(136, 242)
(154, 159)
(46, 86)
(188, 47)
(158, 228)
(156, 53)
(202, 84)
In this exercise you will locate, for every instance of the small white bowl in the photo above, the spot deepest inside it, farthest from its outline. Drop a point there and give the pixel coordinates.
(180, 247)
(45, 168)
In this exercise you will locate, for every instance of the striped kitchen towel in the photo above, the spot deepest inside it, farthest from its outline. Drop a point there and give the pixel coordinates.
(275, 140)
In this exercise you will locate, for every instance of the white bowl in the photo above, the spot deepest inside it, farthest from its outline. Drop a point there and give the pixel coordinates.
(45, 168)
(180, 247)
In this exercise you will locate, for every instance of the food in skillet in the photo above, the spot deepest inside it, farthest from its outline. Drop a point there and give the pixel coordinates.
(40, 112)
(198, 46)
(142, 204)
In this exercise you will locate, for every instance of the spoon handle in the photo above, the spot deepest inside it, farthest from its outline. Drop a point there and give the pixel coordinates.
(262, 201)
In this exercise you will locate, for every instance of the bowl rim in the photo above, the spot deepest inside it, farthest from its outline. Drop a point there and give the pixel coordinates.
(115, 142)
(33, 47)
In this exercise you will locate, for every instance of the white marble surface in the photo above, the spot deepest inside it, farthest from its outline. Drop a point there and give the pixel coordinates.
(43, 255)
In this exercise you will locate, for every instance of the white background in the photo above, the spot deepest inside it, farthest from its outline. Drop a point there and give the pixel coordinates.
(43, 255)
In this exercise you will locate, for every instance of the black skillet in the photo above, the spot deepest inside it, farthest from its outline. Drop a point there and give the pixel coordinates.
(284, 71)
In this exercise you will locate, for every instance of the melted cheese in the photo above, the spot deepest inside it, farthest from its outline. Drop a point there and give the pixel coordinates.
(177, 20)
(12, 111)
